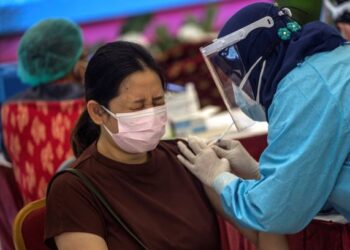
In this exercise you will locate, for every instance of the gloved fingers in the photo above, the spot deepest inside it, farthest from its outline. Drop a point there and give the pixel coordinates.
(225, 162)
(219, 151)
(186, 152)
(196, 144)
(228, 144)
(187, 164)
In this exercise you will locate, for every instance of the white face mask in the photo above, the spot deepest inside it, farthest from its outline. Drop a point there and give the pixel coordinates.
(252, 108)
(139, 131)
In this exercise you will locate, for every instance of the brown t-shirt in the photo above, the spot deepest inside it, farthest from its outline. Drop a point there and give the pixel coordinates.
(159, 200)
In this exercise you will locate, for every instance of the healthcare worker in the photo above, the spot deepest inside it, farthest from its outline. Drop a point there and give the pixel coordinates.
(298, 79)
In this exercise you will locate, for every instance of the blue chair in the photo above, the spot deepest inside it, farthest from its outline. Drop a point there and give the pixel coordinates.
(10, 84)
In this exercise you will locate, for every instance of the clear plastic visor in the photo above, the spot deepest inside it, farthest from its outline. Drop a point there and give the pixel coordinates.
(227, 69)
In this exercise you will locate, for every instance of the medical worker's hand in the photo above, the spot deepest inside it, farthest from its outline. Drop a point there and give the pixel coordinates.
(241, 162)
(202, 161)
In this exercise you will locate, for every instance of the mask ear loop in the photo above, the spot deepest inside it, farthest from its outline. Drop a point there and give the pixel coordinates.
(264, 57)
(109, 112)
(245, 78)
(260, 80)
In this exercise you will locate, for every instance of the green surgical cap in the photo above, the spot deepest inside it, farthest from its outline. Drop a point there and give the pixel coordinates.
(48, 51)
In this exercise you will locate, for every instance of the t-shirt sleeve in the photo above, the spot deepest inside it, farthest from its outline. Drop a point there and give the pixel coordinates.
(71, 208)
(172, 147)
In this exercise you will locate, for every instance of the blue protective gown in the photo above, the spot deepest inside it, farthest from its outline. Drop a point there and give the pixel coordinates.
(307, 161)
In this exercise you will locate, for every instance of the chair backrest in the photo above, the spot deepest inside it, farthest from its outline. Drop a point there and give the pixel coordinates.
(37, 139)
(10, 203)
(28, 227)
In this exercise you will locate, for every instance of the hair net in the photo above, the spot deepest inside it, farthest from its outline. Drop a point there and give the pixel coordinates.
(48, 51)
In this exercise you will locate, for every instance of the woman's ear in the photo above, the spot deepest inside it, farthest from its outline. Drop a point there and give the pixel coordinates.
(96, 113)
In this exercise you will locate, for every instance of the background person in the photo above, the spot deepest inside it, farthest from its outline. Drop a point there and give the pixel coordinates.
(37, 122)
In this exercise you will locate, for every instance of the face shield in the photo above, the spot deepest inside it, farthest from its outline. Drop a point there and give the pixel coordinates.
(229, 74)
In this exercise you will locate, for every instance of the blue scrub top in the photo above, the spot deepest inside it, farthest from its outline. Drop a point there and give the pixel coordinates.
(307, 161)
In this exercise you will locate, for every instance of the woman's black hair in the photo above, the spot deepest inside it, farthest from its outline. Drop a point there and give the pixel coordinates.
(106, 70)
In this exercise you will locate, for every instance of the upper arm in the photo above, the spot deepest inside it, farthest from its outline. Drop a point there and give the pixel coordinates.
(216, 203)
(301, 163)
(80, 241)
(71, 208)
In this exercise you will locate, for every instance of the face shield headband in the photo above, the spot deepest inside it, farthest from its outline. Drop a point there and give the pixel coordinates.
(337, 10)
(227, 69)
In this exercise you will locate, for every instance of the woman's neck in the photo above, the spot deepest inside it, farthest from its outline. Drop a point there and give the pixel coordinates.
(105, 148)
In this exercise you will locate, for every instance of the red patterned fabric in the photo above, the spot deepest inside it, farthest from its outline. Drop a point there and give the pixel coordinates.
(231, 239)
(322, 235)
(37, 139)
(318, 235)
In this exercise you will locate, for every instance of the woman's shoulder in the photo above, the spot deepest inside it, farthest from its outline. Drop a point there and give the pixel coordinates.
(64, 185)
(66, 182)
(170, 145)
(68, 204)
(85, 157)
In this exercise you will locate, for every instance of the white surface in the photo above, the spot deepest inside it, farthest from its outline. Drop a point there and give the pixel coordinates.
(338, 218)
(182, 104)
(3, 161)
(218, 123)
